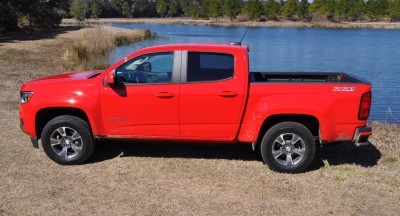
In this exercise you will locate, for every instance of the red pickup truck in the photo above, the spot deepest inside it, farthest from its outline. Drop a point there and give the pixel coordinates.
(196, 92)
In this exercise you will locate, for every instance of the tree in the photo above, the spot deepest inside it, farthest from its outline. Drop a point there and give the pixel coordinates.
(194, 9)
(302, 9)
(316, 6)
(356, 9)
(289, 9)
(272, 8)
(214, 9)
(376, 9)
(78, 10)
(8, 15)
(174, 8)
(143, 8)
(253, 8)
(162, 7)
(96, 11)
(204, 9)
(186, 6)
(341, 8)
(394, 10)
(329, 8)
(231, 8)
(126, 9)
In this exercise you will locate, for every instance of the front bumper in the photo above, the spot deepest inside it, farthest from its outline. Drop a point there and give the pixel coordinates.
(361, 136)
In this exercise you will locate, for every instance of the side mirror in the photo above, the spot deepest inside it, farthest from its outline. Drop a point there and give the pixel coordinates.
(110, 78)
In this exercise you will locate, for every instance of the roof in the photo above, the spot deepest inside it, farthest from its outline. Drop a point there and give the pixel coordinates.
(197, 46)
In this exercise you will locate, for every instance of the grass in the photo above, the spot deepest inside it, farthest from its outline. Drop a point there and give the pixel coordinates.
(125, 178)
(390, 159)
(89, 52)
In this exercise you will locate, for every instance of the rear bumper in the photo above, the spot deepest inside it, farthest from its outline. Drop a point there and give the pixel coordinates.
(361, 135)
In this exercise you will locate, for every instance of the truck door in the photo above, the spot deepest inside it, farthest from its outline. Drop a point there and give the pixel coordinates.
(144, 102)
(211, 96)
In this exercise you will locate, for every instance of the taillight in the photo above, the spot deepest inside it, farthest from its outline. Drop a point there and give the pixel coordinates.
(365, 106)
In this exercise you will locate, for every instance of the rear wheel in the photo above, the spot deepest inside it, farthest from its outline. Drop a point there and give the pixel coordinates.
(288, 147)
(67, 140)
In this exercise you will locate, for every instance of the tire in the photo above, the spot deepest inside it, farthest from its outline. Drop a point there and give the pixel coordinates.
(288, 147)
(68, 140)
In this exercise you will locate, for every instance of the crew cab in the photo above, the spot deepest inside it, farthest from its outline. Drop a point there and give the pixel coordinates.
(196, 93)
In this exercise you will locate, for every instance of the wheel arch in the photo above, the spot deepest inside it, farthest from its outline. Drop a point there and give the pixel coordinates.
(43, 116)
(309, 121)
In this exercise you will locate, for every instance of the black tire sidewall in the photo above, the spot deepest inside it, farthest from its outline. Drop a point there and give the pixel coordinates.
(75, 123)
(282, 128)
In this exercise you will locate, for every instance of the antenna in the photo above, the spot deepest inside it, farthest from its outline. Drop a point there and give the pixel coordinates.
(243, 37)
(240, 42)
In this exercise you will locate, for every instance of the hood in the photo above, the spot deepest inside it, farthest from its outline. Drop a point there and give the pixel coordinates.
(65, 79)
(82, 75)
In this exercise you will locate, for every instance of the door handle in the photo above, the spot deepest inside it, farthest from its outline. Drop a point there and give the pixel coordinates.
(228, 94)
(164, 95)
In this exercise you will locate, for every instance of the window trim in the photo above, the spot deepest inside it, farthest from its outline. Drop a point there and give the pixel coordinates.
(176, 69)
(184, 69)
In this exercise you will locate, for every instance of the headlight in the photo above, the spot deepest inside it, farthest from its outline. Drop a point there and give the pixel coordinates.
(26, 97)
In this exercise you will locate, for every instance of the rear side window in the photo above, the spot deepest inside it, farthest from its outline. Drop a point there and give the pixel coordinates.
(209, 66)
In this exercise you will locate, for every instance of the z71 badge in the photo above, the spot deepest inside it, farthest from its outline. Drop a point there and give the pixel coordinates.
(344, 89)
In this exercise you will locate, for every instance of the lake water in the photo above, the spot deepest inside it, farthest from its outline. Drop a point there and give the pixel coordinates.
(371, 54)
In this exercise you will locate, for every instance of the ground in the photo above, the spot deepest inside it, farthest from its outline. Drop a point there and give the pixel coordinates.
(181, 179)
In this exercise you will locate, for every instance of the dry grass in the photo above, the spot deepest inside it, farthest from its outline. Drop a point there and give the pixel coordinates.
(89, 52)
(182, 179)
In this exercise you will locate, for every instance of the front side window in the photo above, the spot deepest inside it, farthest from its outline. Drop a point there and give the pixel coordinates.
(148, 68)
(204, 66)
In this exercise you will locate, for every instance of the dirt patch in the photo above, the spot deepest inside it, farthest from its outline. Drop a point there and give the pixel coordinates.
(187, 179)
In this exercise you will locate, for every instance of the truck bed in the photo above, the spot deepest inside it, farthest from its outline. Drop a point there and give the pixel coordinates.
(310, 77)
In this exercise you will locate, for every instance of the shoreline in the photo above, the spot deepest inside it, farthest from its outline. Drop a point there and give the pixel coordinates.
(228, 23)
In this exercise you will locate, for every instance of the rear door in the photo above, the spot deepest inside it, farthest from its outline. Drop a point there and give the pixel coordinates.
(211, 96)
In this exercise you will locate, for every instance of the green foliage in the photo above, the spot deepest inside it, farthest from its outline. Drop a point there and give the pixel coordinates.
(174, 8)
(8, 15)
(143, 8)
(48, 13)
(272, 8)
(204, 9)
(214, 10)
(96, 10)
(289, 9)
(78, 10)
(356, 9)
(341, 8)
(389, 159)
(376, 9)
(394, 10)
(327, 7)
(302, 9)
(316, 6)
(126, 9)
(162, 7)
(253, 8)
(194, 10)
(35, 13)
(231, 8)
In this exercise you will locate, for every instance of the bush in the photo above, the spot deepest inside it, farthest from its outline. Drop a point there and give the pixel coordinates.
(147, 34)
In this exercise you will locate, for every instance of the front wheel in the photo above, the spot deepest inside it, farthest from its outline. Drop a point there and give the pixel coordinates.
(288, 147)
(67, 140)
